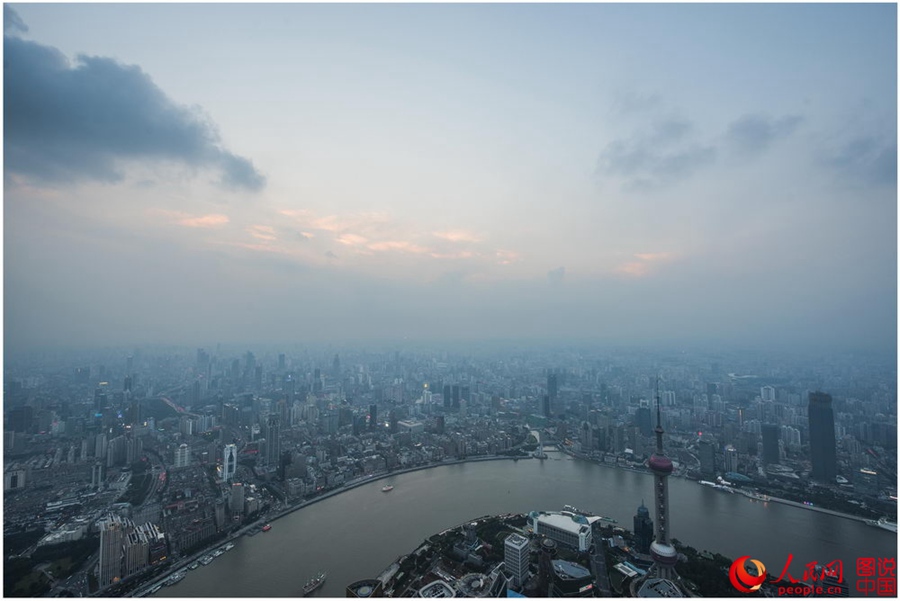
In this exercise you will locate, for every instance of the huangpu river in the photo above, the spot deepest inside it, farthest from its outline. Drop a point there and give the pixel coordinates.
(359, 533)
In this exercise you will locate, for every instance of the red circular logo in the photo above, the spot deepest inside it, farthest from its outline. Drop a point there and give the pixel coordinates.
(743, 580)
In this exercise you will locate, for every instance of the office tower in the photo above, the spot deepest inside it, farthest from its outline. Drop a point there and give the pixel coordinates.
(545, 406)
(229, 462)
(455, 392)
(553, 387)
(136, 552)
(664, 555)
(112, 540)
(373, 416)
(516, 558)
(273, 439)
(821, 438)
(336, 367)
(731, 460)
(100, 398)
(448, 397)
(237, 499)
(707, 454)
(770, 435)
(643, 420)
(98, 474)
(643, 529)
(281, 362)
(182, 456)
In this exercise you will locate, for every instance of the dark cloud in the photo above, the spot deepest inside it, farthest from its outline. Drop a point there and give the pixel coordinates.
(69, 122)
(753, 134)
(657, 156)
(556, 276)
(870, 159)
(12, 22)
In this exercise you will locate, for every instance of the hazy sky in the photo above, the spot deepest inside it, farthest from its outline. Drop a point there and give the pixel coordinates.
(212, 173)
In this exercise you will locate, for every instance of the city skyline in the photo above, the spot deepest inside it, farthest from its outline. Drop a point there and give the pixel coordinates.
(630, 174)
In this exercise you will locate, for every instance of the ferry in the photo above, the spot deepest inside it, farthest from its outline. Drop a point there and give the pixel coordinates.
(218, 552)
(387, 488)
(229, 546)
(176, 577)
(194, 565)
(883, 523)
(206, 560)
(717, 486)
(314, 583)
(267, 527)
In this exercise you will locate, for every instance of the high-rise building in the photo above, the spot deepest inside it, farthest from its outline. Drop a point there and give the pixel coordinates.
(229, 462)
(273, 439)
(516, 558)
(731, 459)
(767, 393)
(553, 387)
(112, 540)
(182, 456)
(821, 437)
(98, 474)
(546, 409)
(643, 529)
(643, 421)
(707, 452)
(373, 416)
(237, 499)
(770, 435)
(136, 552)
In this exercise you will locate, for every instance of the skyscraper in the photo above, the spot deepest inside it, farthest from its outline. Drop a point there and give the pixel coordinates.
(643, 529)
(516, 558)
(237, 499)
(229, 462)
(552, 387)
(182, 456)
(707, 452)
(112, 540)
(821, 437)
(770, 436)
(273, 439)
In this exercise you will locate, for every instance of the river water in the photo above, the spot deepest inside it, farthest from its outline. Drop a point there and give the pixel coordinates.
(359, 533)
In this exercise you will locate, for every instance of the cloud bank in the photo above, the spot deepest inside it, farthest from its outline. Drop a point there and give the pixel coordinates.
(68, 122)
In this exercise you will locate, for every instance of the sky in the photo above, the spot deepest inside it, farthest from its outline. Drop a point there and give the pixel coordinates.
(649, 174)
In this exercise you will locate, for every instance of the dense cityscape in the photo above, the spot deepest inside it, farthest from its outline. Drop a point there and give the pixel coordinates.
(124, 469)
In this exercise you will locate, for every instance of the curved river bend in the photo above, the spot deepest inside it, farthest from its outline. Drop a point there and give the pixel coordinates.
(357, 534)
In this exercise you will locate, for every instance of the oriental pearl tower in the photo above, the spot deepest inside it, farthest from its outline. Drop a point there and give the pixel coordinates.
(664, 555)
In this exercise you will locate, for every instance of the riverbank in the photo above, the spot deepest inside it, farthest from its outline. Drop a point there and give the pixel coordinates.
(833, 512)
(145, 588)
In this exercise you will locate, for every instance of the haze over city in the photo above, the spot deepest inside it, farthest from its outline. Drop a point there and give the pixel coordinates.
(192, 174)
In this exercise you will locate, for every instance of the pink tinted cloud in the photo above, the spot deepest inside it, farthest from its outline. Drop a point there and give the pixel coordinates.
(457, 236)
(263, 232)
(198, 221)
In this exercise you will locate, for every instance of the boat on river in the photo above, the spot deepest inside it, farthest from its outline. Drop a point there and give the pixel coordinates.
(314, 583)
